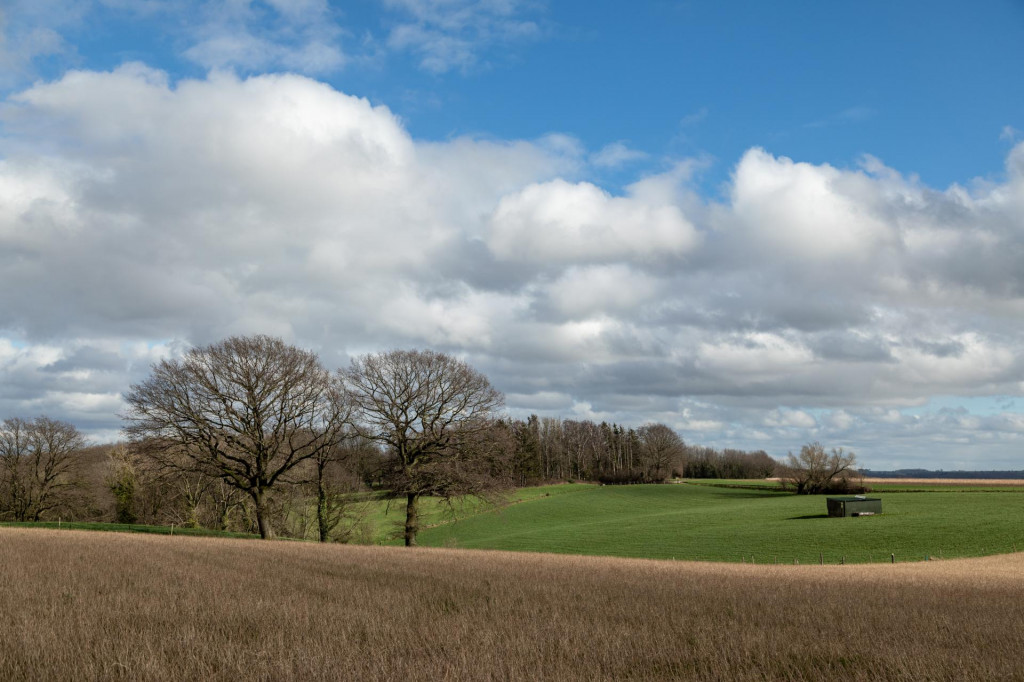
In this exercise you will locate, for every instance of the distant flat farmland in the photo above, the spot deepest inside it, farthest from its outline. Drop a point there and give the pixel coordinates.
(969, 482)
(728, 522)
(109, 606)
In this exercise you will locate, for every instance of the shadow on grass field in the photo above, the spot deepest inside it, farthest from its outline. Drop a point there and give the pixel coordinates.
(105, 606)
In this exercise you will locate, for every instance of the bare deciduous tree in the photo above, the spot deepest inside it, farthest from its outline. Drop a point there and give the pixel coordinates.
(432, 411)
(38, 461)
(246, 410)
(816, 471)
(662, 450)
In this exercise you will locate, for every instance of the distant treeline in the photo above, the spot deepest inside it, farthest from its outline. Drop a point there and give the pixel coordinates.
(550, 449)
(48, 472)
(927, 473)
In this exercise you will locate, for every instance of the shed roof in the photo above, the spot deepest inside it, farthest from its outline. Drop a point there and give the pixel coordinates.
(860, 498)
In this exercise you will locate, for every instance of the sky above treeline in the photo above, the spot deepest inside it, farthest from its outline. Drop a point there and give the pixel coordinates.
(762, 224)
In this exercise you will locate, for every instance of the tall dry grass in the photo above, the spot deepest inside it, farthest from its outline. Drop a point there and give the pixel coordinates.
(85, 606)
(959, 482)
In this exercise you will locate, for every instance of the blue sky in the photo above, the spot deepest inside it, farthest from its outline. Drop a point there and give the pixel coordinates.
(761, 223)
(928, 87)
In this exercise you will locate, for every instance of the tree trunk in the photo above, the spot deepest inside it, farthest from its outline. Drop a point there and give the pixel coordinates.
(322, 521)
(412, 520)
(266, 532)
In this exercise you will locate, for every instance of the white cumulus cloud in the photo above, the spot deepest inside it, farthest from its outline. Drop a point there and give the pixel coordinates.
(139, 215)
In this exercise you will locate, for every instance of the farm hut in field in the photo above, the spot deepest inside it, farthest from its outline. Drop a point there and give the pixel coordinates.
(857, 505)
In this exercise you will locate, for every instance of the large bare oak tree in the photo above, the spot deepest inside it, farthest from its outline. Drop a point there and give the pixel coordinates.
(247, 410)
(433, 412)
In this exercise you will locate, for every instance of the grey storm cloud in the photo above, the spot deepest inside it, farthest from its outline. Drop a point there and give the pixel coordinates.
(138, 216)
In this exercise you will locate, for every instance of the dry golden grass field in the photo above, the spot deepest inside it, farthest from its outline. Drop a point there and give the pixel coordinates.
(1010, 482)
(86, 606)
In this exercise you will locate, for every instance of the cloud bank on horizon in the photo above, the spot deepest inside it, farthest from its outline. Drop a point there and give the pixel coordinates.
(141, 212)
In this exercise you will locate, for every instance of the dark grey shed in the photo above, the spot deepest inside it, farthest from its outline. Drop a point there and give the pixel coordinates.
(857, 505)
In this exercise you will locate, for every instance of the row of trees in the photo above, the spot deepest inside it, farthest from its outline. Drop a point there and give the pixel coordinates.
(549, 448)
(255, 412)
(218, 435)
(47, 478)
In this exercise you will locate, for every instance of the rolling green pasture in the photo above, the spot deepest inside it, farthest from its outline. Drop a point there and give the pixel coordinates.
(705, 520)
(708, 522)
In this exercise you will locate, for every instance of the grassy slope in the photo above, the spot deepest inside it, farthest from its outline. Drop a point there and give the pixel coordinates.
(706, 521)
(388, 516)
(729, 524)
(89, 606)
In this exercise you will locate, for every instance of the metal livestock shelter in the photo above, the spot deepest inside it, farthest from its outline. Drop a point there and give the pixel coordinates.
(857, 505)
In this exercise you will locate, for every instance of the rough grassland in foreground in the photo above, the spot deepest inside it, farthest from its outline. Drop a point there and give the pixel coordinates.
(85, 606)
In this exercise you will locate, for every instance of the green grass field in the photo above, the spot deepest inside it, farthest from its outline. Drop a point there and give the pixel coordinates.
(387, 517)
(738, 521)
(706, 522)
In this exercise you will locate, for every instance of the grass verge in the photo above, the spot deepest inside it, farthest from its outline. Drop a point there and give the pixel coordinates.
(126, 528)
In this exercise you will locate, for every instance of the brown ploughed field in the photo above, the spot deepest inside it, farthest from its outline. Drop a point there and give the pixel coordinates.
(87, 606)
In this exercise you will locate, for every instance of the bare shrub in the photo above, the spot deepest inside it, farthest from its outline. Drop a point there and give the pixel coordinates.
(815, 471)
